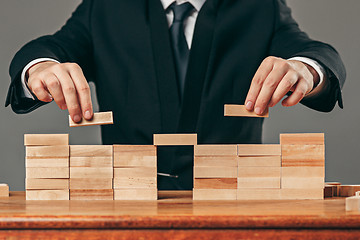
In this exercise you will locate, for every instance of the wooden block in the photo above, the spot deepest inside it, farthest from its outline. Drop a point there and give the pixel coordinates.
(259, 172)
(302, 139)
(256, 161)
(102, 118)
(4, 190)
(47, 172)
(91, 183)
(329, 191)
(258, 194)
(135, 172)
(91, 194)
(91, 151)
(47, 151)
(91, 172)
(101, 162)
(46, 184)
(257, 183)
(337, 185)
(46, 162)
(135, 182)
(175, 139)
(233, 110)
(215, 161)
(215, 183)
(303, 172)
(214, 194)
(47, 195)
(303, 155)
(215, 150)
(353, 203)
(135, 150)
(302, 194)
(259, 150)
(215, 172)
(148, 194)
(304, 182)
(46, 139)
(348, 190)
(135, 161)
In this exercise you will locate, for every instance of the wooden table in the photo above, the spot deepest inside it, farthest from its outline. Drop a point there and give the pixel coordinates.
(176, 216)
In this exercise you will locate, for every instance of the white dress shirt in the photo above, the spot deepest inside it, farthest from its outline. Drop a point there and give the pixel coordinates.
(189, 26)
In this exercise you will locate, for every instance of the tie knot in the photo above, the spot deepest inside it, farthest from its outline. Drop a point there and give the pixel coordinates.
(181, 11)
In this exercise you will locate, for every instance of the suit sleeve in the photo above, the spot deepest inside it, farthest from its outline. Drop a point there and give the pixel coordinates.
(72, 43)
(289, 41)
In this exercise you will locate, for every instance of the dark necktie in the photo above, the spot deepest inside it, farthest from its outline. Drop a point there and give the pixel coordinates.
(179, 44)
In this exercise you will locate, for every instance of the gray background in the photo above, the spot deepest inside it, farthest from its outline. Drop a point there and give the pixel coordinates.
(333, 21)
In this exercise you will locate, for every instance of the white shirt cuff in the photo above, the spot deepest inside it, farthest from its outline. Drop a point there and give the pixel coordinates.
(27, 92)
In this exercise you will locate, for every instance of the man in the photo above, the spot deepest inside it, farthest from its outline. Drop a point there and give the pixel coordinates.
(169, 67)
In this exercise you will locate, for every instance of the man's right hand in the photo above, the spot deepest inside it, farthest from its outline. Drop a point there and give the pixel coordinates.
(64, 83)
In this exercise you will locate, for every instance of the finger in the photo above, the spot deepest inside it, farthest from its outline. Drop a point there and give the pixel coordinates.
(285, 85)
(83, 91)
(54, 87)
(40, 91)
(270, 84)
(256, 84)
(297, 95)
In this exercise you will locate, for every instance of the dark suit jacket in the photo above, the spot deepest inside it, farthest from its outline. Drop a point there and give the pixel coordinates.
(124, 48)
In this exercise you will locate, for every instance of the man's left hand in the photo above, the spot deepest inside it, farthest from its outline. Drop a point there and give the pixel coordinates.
(275, 78)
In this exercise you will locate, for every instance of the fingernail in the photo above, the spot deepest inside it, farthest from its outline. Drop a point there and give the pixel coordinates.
(63, 107)
(77, 118)
(87, 115)
(258, 111)
(249, 105)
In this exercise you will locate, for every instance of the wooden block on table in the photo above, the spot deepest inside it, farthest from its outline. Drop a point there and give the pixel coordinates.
(258, 194)
(91, 150)
(47, 194)
(136, 194)
(233, 110)
(337, 185)
(4, 190)
(91, 194)
(102, 118)
(214, 194)
(91, 172)
(215, 150)
(47, 151)
(135, 161)
(135, 182)
(46, 184)
(302, 182)
(47, 172)
(303, 155)
(259, 161)
(302, 139)
(215, 183)
(302, 193)
(91, 183)
(353, 203)
(46, 139)
(101, 162)
(303, 172)
(135, 172)
(348, 190)
(215, 161)
(259, 150)
(259, 172)
(263, 182)
(175, 139)
(329, 191)
(135, 150)
(215, 172)
(46, 162)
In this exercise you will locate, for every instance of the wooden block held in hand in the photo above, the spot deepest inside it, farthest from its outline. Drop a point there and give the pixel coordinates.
(258, 194)
(215, 150)
(233, 110)
(259, 161)
(147, 194)
(101, 118)
(215, 172)
(4, 190)
(259, 150)
(46, 162)
(215, 183)
(353, 203)
(214, 161)
(304, 182)
(91, 183)
(91, 150)
(47, 151)
(257, 183)
(46, 184)
(47, 195)
(100, 162)
(135, 172)
(302, 139)
(135, 182)
(46, 139)
(91, 172)
(303, 155)
(214, 194)
(175, 139)
(91, 194)
(47, 172)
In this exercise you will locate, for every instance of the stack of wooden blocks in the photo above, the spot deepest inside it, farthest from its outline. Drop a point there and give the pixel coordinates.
(135, 172)
(47, 166)
(91, 172)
